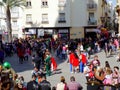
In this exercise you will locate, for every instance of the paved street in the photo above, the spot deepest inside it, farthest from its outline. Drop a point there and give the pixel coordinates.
(26, 68)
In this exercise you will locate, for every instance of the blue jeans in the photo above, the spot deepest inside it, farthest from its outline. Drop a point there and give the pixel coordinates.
(81, 67)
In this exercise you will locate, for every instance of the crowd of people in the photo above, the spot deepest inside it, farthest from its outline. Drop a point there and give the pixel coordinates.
(76, 52)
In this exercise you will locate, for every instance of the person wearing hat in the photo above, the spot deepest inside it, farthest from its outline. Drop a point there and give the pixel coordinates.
(8, 69)
(8, 73)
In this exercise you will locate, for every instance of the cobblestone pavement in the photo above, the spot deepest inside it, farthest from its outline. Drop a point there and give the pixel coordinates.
(63, 69)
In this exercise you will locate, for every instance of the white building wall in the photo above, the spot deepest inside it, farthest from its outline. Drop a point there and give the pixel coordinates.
(52, 11)
(17, 16)
(78, 13)
(20, 23)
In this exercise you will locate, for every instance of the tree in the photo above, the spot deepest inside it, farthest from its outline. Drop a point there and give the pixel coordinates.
(8, 5)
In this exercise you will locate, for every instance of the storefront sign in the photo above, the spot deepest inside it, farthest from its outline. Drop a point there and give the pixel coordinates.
(40, 32)
(48, 31)
(93, 30)
(31, 31)
(63, 30)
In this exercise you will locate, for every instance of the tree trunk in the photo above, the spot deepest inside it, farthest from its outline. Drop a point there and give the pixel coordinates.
(8, 21)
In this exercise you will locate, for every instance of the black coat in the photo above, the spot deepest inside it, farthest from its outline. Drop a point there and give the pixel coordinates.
(45, 85)
(37, 62)
(33, 85)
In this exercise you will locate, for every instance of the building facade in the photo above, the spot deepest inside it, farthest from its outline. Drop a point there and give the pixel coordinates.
(16, 22)
(66, 19)
(118, 11)
(43, 18)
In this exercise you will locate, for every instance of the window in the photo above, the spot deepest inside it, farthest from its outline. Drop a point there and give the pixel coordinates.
(62, 3)
(15, 12)
(44, 3)
(15, 9)
(28, 3)
(91, 1)
(44, 18)
(61, 18)
(14, 23)
(28, 18)
(92, 18)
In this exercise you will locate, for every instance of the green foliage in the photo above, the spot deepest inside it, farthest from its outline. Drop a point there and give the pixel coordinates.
(13, 3)
(8, 5)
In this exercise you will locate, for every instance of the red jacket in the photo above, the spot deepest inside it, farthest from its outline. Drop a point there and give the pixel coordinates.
(21, 52)
(73, 60)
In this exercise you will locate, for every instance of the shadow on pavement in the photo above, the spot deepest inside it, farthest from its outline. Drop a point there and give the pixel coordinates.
(58, 71)
(27, 65)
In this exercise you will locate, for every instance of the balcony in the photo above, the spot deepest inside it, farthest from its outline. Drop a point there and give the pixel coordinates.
(29, 21)
(61, 21)
(45, 21)
(92, 7)
(14, 14)
(62, 4)
(92, 22)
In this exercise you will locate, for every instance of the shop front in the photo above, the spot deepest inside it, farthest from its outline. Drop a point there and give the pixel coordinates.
(63, 34)
(45, 33)
(91, 32)
(30, 32)
(48, 32)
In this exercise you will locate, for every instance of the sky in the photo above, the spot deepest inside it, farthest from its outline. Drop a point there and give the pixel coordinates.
(113, 2)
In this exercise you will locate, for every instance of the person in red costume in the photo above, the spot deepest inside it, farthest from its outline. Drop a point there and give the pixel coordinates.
(74, 62)
(53, 64)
